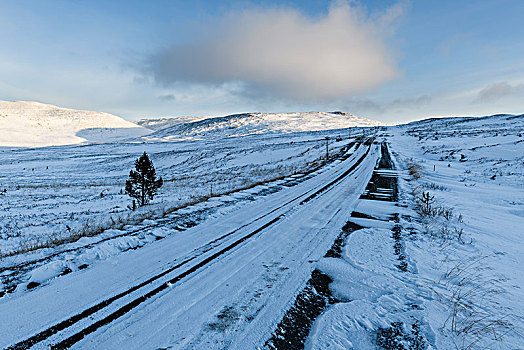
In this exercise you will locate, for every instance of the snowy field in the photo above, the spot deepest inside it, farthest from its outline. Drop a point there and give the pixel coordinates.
(444, 280)
(53, 191)
(197, 269)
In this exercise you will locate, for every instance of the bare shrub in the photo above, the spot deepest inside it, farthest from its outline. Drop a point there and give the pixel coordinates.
(439, 221)
(446, 213)
(459, 232)
(433, 186)
(415, 170)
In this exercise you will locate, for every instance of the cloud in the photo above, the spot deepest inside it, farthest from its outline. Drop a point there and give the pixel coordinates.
(366, 105)
(497, 91)
(411, 102)
(284, 53)
(167, 97)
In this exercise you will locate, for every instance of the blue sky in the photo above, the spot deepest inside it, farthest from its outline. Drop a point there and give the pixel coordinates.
(387, 60)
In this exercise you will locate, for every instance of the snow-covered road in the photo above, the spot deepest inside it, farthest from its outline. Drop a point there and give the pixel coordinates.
(224, 283)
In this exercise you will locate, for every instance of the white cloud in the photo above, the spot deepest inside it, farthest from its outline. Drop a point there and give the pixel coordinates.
(499, 90)
(287, 54)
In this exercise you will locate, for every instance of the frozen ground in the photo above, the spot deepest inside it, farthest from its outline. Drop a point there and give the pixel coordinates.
(223, 272)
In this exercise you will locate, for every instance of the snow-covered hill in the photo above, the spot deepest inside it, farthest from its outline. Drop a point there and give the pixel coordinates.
(34, 124)
(162, 123)
(252, 123)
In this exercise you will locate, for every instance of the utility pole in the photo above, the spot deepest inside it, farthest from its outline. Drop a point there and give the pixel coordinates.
(327, 147)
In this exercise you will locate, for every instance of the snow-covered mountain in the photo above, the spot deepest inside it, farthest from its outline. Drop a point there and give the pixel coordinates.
(34, 124)
(252, 123)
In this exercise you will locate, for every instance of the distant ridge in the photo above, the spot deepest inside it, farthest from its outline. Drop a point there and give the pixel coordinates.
(251, 123)
(35, 124)
(456, 120)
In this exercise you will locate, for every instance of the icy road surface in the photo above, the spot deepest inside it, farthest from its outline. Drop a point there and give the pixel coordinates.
(224, 283)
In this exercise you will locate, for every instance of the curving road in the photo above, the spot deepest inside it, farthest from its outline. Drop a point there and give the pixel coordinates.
(224, 283)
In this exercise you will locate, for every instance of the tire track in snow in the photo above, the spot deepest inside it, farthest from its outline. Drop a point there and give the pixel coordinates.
(63, 325)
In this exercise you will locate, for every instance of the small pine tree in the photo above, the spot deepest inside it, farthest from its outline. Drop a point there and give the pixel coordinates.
(142, 183)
